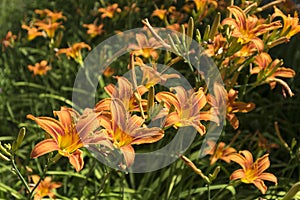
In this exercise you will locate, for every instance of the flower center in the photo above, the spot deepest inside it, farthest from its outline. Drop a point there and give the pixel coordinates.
(250, 176)
(69, 142)
(121, 138)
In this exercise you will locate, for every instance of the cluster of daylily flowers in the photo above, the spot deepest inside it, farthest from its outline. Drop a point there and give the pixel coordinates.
(239, 42)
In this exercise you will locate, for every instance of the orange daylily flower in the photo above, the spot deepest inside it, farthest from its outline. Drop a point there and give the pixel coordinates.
(175, 16)
(217, 46)
(145, 47)
(175, 27)
(269, 70)
(108, 72)
(49, 27)
(201, 4)
(53, 15)
(69, 133)
(32, 32)
(45, 187)
(233, 106)
(94, 30)
(290, 24)
(109, 11)
(248, 28)
(252, 172)
(125, 130)
(39, 68)
(220, 151)
(151, 76)
(74, 51)
(246, 51)
(265, 144)
(8, 40)
(160, 13)
(188, 105)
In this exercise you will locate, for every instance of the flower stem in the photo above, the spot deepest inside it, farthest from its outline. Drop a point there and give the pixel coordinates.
(19, 174)
(208, 192)
(46, 167)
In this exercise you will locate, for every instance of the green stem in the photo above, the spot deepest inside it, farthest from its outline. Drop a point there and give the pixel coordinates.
(103, 182)
(46, 167)
(208, 192)
(19, 174)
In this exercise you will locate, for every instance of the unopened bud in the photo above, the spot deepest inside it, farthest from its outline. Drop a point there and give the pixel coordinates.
(215, 174)
(19, 140)
(214, 27)
(278, 42)
(190, 32)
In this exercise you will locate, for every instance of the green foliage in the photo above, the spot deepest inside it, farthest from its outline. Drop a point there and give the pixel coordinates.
(23, 93)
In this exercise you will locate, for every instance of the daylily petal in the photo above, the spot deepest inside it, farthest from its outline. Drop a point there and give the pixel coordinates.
(129, 154)
(50, 125)
(198, 100)
(248, 157)
(268, 177)
(169, 99)
(239, 159)
(35, 178)
(172, 119)
(209, 116)
(284, 72)
(118, 115)
(44, 147)
(258, 43)
(263, 163)
(213, 160)
(103, 105)
(260, 185)
(87, 123)
(110, 89)
(239, 16)
(147, 135)
(64, 117)
(181, 94)
(238, 174)
(242, 107)
(105, 121)
(199, 127)
(76, 160)
(229, 150)
(255, 70)
(134, 122)
(263, 28)
(233, 120)
(230, 22)
(124, 88)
